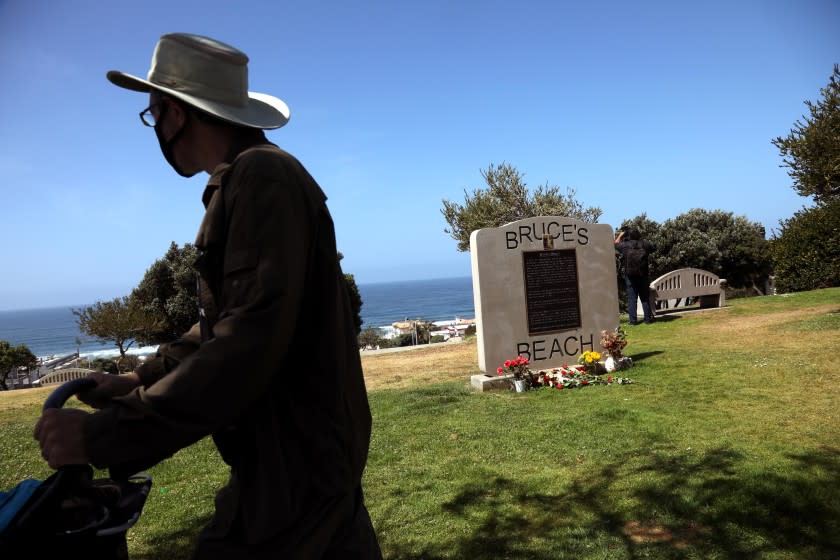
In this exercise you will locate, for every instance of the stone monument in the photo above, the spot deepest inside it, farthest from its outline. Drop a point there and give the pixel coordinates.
(544, 288)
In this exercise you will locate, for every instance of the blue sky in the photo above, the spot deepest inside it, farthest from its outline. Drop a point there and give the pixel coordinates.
(655, 107)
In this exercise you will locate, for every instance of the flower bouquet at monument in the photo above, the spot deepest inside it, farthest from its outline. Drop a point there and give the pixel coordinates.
(614, 342)
(589, 360)
(518, 366)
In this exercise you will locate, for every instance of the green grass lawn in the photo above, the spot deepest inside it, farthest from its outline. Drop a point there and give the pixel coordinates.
(725, 446)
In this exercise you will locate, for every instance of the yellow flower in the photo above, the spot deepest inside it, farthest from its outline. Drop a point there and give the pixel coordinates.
(590, 357)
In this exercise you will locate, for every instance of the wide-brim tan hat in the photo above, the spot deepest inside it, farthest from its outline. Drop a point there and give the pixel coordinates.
(209, 75)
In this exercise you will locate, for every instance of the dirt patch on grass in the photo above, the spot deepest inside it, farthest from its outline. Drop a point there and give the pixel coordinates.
(734, 331)
(21, 398)
(14, 403)
(646, 533)
(421, 366)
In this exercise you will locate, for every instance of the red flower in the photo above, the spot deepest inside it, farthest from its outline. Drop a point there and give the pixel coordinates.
(559, 385)
(507, 363)
(500, 371)
(609, 379)
(584, 382)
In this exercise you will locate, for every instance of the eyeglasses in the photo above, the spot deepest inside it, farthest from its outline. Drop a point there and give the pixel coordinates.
(148, 118)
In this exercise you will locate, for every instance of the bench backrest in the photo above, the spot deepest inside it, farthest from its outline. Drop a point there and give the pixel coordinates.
(686, 282)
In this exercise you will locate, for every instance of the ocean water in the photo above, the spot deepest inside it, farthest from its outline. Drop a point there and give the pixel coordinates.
(53, 331)
(433, 300)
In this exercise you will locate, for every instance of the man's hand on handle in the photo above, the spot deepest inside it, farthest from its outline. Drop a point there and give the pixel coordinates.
(60, 431)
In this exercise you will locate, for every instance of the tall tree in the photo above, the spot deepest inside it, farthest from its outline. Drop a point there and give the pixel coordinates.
(355, 301)
(811, 151)
(13, 357)
(119, 322)
(167, 294)
(507, 199)
(355, 297)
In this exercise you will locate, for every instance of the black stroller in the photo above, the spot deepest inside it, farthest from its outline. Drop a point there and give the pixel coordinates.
(71, 513)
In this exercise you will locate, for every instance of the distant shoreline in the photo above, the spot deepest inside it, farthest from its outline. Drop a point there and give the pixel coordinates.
(52, 331)
(360, 285)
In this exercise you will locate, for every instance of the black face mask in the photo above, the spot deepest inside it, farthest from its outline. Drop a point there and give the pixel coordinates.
(166, 147)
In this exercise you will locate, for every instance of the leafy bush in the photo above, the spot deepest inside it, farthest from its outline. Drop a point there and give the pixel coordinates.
(370, 338)
(103, 364)
(806, 253)
(12, 357)
(715, 240)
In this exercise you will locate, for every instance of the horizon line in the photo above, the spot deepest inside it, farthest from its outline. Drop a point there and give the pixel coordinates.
(70, 307)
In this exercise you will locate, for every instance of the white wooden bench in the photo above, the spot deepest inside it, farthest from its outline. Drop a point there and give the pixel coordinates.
(63, 375)
(672, 290)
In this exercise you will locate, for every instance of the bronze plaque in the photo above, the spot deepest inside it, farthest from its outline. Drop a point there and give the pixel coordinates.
(551, 290)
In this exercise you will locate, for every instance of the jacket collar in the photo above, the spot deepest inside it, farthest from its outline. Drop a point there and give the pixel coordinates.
(243, 142)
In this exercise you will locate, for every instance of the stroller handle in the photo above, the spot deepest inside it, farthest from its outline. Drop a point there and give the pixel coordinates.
(58, 397)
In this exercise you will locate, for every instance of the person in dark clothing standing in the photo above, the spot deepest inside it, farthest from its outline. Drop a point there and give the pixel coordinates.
(634, 252)
(272, 297)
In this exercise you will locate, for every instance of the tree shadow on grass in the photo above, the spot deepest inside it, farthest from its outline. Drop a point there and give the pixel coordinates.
(644, 355)
(674, 313)
(667, 315)
(713, 504)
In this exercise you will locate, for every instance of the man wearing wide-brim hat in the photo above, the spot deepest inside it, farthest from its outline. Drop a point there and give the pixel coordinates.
(272, 369)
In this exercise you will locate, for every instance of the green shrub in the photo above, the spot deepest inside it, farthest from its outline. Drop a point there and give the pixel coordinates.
(806, 253)
(103, 364)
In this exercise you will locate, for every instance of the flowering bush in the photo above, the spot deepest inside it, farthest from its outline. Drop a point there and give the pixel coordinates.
(614, 342)
(517, 366)
(572, 377)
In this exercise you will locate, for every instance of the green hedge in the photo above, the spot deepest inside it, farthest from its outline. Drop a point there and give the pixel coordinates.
(806, 253)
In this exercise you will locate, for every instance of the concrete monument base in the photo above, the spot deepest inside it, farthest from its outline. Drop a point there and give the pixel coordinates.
(484, 382)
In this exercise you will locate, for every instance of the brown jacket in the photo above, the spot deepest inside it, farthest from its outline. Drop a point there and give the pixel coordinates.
(277, 379)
